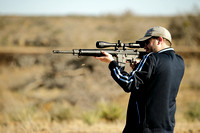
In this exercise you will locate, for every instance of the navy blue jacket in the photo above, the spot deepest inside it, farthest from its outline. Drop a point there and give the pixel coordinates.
(154, 86)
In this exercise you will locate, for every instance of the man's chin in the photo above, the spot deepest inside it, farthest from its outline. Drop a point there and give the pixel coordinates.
(147, 51)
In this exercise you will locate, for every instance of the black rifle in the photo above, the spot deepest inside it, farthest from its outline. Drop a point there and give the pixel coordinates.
(122, 55)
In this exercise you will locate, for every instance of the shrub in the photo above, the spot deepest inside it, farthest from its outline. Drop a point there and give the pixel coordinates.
(193, 112)
(21, 113)
(60, 113)
(90, 117)
(110, 111)
(185, 29)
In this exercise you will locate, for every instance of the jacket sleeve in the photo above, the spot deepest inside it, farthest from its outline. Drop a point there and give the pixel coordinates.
(135, 78)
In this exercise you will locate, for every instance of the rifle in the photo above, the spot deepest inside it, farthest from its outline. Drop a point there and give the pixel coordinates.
(122, 55)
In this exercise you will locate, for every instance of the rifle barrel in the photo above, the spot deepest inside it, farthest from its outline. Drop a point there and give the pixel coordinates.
(62, 52)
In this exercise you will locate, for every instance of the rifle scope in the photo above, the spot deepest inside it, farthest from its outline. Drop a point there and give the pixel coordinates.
(102, 44)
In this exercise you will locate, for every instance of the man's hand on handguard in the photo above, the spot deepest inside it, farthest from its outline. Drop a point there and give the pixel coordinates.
(134, 64)
(107, 58)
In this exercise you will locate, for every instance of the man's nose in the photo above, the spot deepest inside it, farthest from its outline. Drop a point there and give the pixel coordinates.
(145, 46)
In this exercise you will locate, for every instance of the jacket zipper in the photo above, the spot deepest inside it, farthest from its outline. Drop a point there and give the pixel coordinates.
(138, 112)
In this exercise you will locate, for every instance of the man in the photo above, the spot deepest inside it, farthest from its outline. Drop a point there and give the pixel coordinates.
(154, 84)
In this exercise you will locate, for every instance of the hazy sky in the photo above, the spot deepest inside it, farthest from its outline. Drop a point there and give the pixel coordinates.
(97, 7)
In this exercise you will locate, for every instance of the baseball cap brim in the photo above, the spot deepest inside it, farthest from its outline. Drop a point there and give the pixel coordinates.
(143, 38)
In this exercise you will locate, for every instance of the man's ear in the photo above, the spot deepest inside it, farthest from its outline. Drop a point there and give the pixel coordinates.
(160, 40)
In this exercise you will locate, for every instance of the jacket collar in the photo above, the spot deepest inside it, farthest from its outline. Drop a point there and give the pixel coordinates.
(166, 49)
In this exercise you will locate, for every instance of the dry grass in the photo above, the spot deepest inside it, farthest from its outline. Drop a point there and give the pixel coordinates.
(38, 109)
